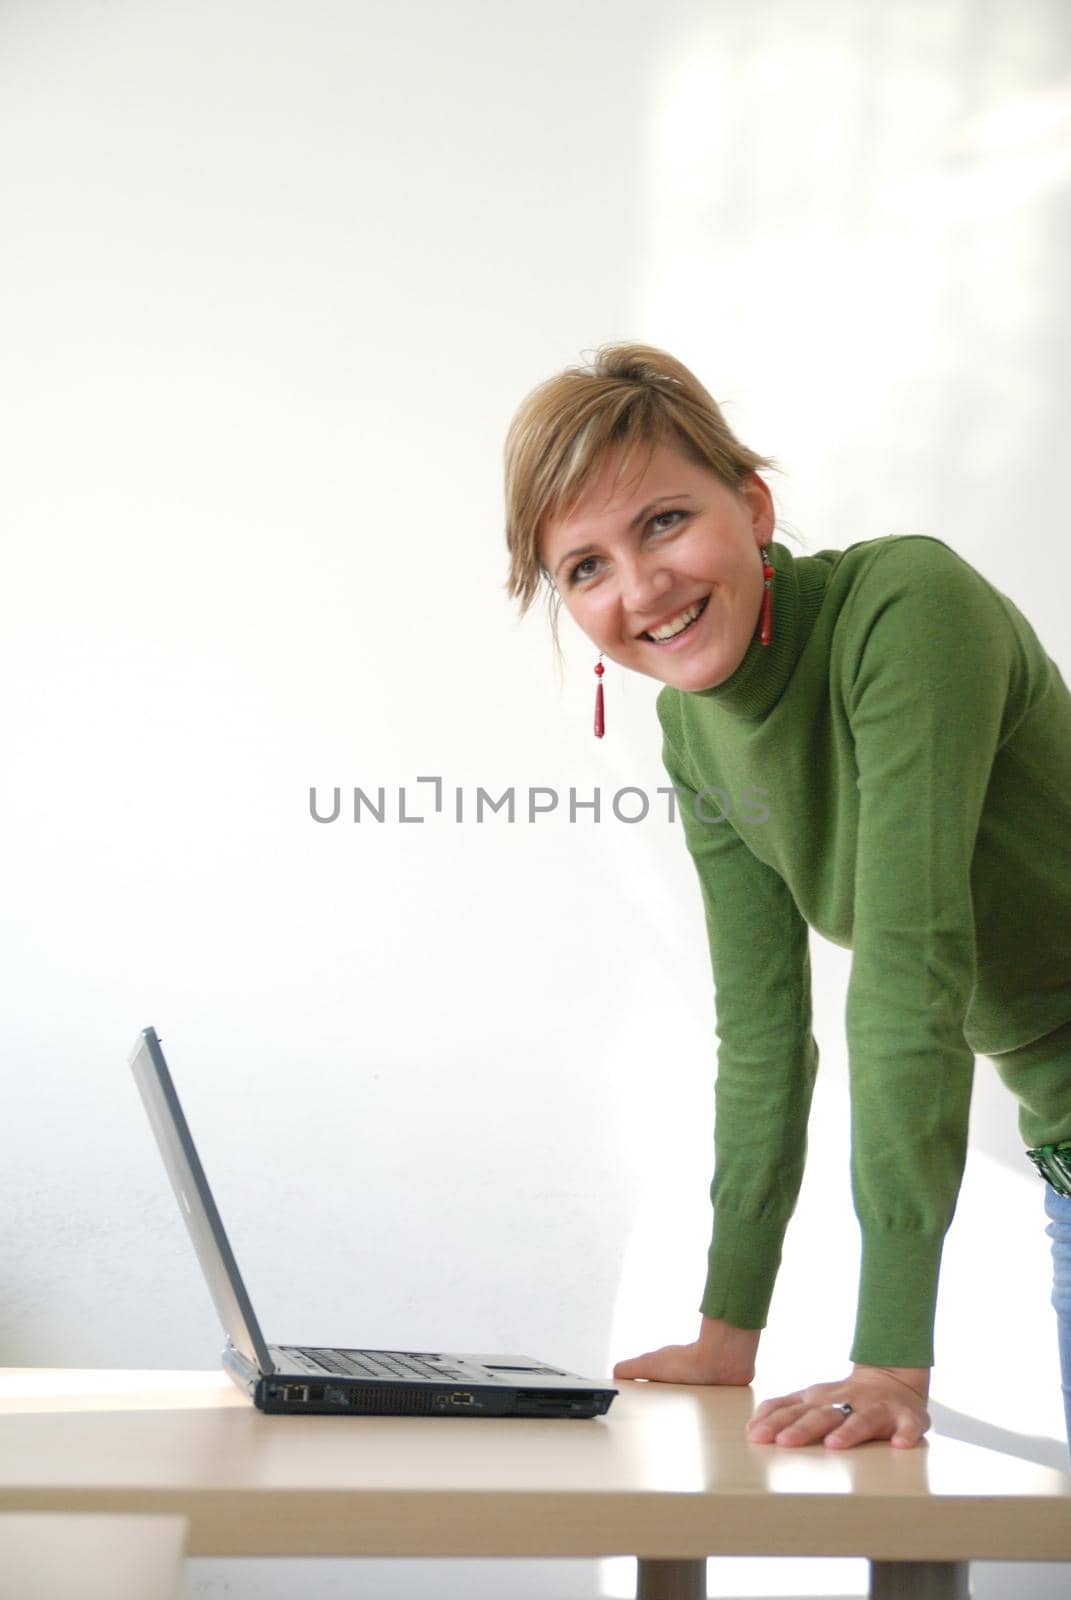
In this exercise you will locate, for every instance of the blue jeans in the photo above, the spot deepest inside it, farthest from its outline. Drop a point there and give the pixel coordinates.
(1050, 1055)
(1058, 1210)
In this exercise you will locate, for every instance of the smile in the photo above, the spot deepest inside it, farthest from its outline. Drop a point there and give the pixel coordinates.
(676, 625)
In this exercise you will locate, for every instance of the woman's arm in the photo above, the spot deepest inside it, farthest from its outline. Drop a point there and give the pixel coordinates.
(767, 1057)
(926, 699)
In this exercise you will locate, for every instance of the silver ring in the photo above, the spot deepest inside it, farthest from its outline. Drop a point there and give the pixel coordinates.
(844, 1407)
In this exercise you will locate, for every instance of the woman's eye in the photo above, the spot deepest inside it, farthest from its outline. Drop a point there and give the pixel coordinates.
(662, 515)
(583, 569)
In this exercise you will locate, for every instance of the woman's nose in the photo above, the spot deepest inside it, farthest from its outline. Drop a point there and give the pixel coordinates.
(642, 581)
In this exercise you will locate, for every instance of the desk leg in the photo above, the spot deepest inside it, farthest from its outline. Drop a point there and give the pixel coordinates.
(671, 1580)
(920, 1580)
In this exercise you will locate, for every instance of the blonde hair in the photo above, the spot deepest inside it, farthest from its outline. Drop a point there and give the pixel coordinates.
(630, 396)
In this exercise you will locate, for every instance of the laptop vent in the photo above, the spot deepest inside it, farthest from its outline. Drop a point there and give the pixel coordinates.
(375, 1398)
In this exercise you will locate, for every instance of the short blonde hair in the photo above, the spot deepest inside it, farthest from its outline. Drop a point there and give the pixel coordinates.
(630, 396)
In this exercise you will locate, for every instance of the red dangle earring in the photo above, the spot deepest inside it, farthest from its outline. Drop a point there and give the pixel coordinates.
(766, 611)
(600, 715)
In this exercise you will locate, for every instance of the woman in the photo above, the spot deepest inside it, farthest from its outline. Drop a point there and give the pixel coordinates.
(870, 742)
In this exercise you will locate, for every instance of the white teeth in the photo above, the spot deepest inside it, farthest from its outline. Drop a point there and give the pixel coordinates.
(669, 630)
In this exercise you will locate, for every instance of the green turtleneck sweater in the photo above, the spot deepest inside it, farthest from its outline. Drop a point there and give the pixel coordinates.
(893, 770)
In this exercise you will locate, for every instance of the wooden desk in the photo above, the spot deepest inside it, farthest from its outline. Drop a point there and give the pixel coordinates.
(668, 1476)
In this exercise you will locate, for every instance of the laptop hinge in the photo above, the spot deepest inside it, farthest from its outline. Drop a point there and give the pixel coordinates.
(234, 1357)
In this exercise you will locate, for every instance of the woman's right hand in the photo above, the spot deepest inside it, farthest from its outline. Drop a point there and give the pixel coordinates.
(722, 1355)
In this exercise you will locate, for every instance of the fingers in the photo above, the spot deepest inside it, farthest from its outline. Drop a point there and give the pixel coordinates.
(678, 1363)
(778, 1403)
(910, 1429)
(801, 1423)
(903, 1429)
(652, 1364)
(794, 1423)
(870, 1422)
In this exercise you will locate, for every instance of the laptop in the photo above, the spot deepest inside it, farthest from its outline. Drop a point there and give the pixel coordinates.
(298, 1378)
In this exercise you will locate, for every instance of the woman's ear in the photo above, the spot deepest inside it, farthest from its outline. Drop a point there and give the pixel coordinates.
(763, 515)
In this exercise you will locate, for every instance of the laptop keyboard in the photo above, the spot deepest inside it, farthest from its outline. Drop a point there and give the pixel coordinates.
(374, 1364)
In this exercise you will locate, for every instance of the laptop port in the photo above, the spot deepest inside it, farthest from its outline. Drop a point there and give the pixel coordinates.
(462, 1399)
(297, 1394)
(553, 1403)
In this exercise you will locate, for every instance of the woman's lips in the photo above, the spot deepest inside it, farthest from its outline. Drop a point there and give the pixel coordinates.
(685, 633)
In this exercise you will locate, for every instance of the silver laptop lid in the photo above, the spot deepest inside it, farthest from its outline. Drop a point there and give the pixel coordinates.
(195, 1200)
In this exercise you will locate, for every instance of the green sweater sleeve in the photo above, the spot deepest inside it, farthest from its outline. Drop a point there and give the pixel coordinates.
(767, 1056)
(925, 690)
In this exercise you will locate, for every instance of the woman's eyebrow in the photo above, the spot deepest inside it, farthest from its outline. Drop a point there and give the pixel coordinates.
(636, 521)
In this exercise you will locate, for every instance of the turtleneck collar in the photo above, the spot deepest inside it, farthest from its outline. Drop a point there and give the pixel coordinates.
(759, 681)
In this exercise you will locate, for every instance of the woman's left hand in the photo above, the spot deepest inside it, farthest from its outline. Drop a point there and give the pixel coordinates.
(887, 1403)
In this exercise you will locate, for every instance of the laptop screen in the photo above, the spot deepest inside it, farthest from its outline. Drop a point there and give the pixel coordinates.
(195, 1200)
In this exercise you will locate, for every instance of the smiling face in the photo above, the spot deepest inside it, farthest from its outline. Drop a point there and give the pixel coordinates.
(664, 576)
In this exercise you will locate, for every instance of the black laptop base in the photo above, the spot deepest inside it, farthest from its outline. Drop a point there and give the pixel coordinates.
(419, 1399)
(293, 1393)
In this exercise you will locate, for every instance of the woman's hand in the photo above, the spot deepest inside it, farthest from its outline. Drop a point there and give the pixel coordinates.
(887, 1403)
(721, 1354)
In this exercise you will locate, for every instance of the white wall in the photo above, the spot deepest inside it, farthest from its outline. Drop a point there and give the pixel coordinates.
(275, 277)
